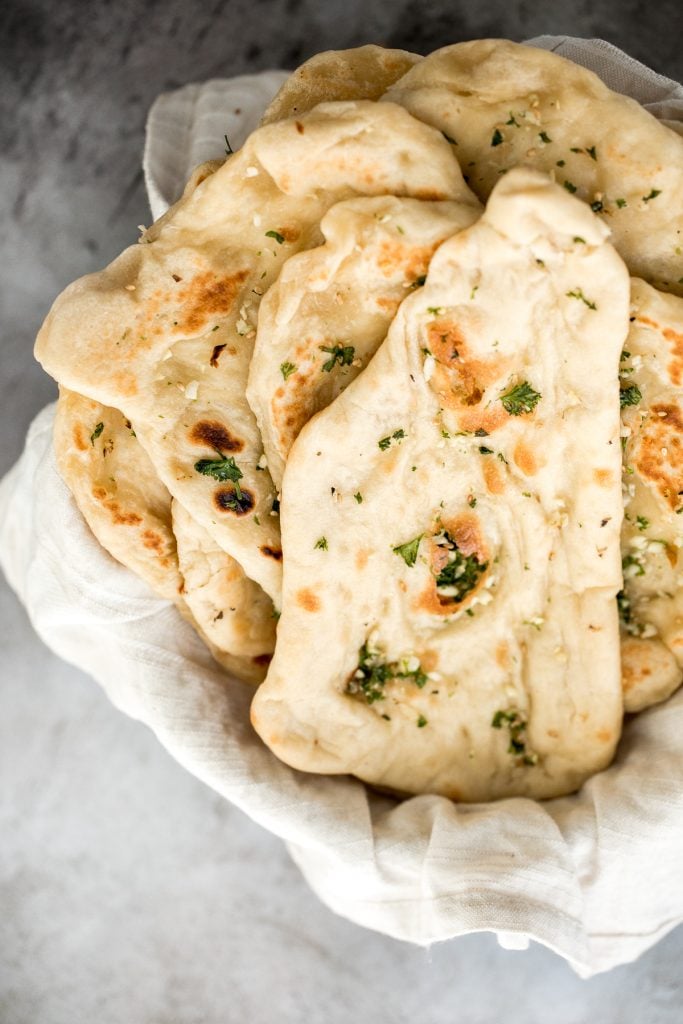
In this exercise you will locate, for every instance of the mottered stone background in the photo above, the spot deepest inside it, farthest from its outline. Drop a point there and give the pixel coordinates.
(130, 893)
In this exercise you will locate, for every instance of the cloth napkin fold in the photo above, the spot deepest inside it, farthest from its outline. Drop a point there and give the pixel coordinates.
(595, 876)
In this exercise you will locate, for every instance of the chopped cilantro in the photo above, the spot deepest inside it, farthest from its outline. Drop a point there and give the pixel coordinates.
(276, 235)
(513, 120)
(560, 163)
(384, 443)
(399, 434)
(653, 193)
(578, 294)
(435, 310)
(634, 563)
(570, 187)
(516, 724)
(630, 395)
(223, 468)
(96, 433)
(485, 451)
(497, 137)
(621, 203)
(578, 238)
(544, 137)
(359, 497)
(421, 722)
(520, 399)
(597, 206)
(342, 354)
(287, 369)
(373, 673)
(321, 543)
(408, 551)
(471, 501)
(461, 573)
(643, 523)
(591, 152)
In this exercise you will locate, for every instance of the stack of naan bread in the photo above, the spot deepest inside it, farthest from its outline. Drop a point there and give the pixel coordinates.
(378, 405)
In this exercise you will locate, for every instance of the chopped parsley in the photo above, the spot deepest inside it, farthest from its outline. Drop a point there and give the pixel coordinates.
(513, 120)
(578, 294)
(643, 523)
(630, 395)
(497, 137)
(560, 163)
(435, 310)
(632, 565)
(342, 354)
(653, 193)
(421, 722)
(544, 137)
(385, 442)
(373, 673)
(621, 203)
(591, 152)
(408, 551)
(321, 543)
(287, 369)
(485, 451)
(579, 239)
(570, 186)
(472, 501)
(597, 206)
(359, 497)
(276, 235)
(222, 468)
(96, 433)
(520, 399)
(461, 573)
(516, 724)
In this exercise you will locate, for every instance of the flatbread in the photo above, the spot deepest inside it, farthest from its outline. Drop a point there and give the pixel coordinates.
(116, 489)
(330, 309)
(652, 601)
(449, 622)
(166, 332)
(130, 512)
(362, 73)
(505, 104)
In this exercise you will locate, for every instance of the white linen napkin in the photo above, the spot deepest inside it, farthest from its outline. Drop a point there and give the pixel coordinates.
(595, 876)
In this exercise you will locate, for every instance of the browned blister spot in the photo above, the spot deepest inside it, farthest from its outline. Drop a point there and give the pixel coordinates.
(299, 127)
(604, 735)
(429, 195)
(125, 383)
(226, 500)
(525, 458)
(269, 552)
(659, 453)
(215, 435)
(429, 661)
(459, 379)
(112, 506)
(495, 484)
(290, 234)
(603, 477)
(307, 600)
(553, 733)
(410, 260)
(153, 541)
(81, 442)
(466, 531)
(362, 558)
(503, 654)
(207, 295)
(675, 367)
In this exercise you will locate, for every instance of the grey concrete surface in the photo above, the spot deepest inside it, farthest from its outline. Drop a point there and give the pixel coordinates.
(128, 891)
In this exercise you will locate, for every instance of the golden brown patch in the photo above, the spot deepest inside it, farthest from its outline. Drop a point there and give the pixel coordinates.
(659, 453)
(388, 305)
(269, 552)
(675, 367)
(413, 260)
(604, 735)
(125, 382)
(307, 600)
(603, 477)
(525, 459)
(429, 195)
(299, 127)
(207, 295)
(113, 507)
(289, 234)
(459, 379)
(215, 435)
(502, 654)
(79, 441)
(362, 558)
(429, 661)
(153, 541)
(465, 530)
(226, 500)
(495, 484)
(553, 733)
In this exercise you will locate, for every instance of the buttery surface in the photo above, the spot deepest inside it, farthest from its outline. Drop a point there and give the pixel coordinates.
(483, 435)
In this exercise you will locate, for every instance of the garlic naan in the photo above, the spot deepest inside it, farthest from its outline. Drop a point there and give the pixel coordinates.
(452, 525)
(166, 332)
(506, 104)
(652, 601)
(330, 309)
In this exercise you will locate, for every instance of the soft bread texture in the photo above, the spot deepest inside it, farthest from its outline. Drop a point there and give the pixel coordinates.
(166, 332)
(505, 104)
(652, 602)
(362, 73)
(233, 611)
(534, 504)
(330, 309)
(116, 489)
(130, 512)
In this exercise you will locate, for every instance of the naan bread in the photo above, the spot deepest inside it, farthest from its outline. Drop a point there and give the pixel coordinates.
(652, 602)
(166, 332)
(452, 522)
(116, 489)
(330, 309)
(506, 104)
(130, 512)
(362, 73)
